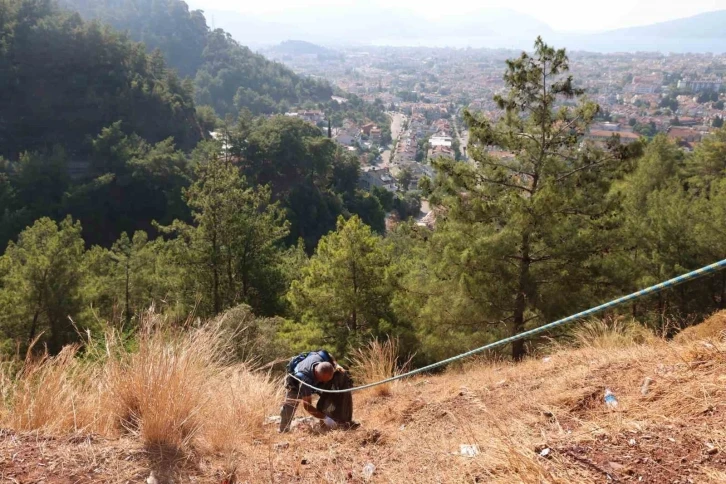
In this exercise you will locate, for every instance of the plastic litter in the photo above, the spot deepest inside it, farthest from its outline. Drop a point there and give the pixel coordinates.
(469, 450)
(610, 399)
(368, 470)
(646, 386)
(273, 419)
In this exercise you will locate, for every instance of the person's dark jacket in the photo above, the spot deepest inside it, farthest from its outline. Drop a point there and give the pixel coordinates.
(338, 406)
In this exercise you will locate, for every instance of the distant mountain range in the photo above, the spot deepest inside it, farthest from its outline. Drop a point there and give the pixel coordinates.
(300, 47)
(701, 33)
(361, 25)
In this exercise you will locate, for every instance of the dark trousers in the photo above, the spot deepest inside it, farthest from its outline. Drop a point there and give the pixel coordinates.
(292, 399)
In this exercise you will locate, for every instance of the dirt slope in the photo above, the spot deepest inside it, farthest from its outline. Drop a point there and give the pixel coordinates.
(544, 420)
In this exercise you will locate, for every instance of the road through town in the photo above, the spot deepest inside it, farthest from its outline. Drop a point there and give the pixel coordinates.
(397, 120)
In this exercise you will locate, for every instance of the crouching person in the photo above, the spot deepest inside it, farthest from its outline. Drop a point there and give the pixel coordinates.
(320, 370)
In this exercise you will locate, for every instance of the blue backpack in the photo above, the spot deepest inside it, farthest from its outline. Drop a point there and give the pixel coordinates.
(297, 359)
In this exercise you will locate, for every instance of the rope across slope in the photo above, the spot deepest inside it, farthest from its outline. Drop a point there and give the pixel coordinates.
(698, 273)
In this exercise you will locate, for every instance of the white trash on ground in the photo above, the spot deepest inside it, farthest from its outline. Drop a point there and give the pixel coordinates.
(368, 470)
(646, 385)
(610, 399)
(469, 450)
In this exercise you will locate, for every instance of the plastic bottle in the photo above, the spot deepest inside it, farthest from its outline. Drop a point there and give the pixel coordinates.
(368, 470)
(610, 399)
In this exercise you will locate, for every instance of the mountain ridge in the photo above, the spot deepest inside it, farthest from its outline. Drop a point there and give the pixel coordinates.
(227, 75)
(495, 28)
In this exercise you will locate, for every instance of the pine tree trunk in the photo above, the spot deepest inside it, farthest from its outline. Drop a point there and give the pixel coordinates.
(127, 296)
(520, 303)
(33, 327)
(215, 275)
(354, 325)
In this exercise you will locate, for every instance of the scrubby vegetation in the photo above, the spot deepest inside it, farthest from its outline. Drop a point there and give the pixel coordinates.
(174, 401)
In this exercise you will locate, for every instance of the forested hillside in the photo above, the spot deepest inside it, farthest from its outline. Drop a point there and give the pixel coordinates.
(102, 149)
(90, 124)
(62, 79)
(228, 76)
(269, 226)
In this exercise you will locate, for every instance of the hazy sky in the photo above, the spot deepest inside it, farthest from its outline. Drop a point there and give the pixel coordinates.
(559, 14)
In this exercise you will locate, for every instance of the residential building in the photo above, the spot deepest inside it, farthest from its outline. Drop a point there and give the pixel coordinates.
(604, 135)
(375, 134)
(313, 116)
(366, 128)
(441, 141)
(375, 176)
(683, 134)
(441, 152)
(700, 85)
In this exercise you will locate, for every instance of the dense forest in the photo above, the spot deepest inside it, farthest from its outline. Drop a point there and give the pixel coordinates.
(52, 62)
(104, 213)
(227, 75)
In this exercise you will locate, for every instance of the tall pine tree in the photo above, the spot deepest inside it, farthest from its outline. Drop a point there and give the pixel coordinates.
(515, 247)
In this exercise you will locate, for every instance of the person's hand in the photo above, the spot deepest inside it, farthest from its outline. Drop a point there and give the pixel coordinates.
(339, 368)
(330, 423)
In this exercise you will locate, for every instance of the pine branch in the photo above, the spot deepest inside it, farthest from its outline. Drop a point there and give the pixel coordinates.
(585, 167)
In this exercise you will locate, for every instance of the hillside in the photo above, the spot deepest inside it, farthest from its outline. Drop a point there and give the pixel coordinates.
(300, 47)
(541, 421)
(700, 33)
(482, 28)
(387, 25)
(707, 25)
(63, 80)
(228, 76)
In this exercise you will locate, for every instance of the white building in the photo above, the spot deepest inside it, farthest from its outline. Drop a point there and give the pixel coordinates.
(445, 141)
(698, 86)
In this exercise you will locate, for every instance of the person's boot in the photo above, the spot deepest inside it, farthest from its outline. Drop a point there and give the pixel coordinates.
(287, 412)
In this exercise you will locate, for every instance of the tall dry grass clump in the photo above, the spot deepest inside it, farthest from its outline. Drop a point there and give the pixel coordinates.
(375, 362)
(242, 400)
(173, 387)
(160, 389)
(610, 333)
(714, 327)
(46, 393)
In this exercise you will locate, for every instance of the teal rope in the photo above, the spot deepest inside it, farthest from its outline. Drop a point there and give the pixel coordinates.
(710, 269)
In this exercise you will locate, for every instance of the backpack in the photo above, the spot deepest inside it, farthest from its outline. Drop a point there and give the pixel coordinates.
(297, 359)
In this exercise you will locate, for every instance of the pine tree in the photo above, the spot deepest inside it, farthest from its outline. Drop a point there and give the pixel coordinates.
(40, 280)
(127, 279)
(515, 245)
(343, 289)
(233, 243)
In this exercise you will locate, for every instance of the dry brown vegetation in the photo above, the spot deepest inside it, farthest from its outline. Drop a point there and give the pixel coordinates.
(377, 361)
(544, 420)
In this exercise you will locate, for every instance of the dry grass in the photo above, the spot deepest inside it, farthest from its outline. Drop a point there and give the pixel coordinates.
(44, 394)
(610, 333)
(672, 432)
(375, 362)
(175, 390)
(713, 327)
(160, 390)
